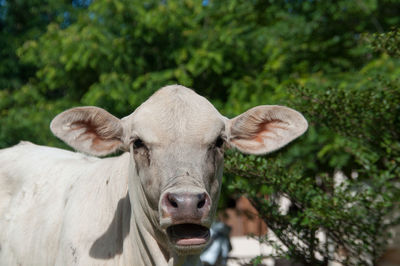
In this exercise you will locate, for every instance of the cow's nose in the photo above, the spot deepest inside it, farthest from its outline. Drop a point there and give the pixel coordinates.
(187, 201)
(186, 206)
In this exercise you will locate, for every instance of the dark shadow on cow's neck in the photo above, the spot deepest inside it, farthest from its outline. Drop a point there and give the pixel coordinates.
(111, 242)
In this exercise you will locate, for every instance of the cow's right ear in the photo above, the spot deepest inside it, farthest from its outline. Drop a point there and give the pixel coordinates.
(91, 130)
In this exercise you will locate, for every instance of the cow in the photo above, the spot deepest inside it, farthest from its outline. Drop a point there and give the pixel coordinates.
(151, 205)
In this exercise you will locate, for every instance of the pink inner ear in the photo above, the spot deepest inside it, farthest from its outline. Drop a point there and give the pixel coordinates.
(245, 145)
(100, 141)
(103, 146)
(267, 129)
(255, 139)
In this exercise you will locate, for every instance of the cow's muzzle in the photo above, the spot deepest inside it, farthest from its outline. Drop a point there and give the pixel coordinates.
(185, 216)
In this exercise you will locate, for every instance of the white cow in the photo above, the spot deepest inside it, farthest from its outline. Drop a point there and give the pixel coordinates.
(152, 205)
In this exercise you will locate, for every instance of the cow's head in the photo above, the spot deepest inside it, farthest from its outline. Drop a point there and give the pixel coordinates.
(177, 140)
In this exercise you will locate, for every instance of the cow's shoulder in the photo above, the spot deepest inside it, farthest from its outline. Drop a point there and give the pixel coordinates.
(61, 194)
(28, 166)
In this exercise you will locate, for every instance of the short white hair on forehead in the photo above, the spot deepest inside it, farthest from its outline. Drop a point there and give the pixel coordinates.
(176, 111)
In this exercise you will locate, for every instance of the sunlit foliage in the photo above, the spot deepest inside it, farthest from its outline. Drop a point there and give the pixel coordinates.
(335, 61)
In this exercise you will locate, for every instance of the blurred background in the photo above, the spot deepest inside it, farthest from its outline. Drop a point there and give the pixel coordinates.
(330, 197)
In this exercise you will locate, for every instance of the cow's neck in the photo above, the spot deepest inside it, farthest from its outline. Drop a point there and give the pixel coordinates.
(148, 242)
(144, 236)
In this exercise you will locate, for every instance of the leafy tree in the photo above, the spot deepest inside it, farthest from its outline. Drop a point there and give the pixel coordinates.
(387, 42)
(355, 130)
(334, 61)
(21, 21)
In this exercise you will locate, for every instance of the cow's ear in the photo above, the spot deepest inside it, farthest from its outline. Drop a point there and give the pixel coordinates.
(91, 130)
(265, 128)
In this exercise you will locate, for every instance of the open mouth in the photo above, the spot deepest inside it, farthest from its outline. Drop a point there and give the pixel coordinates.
(188, 234)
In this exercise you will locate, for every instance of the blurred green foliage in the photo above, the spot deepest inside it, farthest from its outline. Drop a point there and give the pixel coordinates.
(337, 62)
(387, 42)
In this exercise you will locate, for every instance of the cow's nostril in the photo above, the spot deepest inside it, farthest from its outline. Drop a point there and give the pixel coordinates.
(201, 203)
(172, 201)
(202, 200)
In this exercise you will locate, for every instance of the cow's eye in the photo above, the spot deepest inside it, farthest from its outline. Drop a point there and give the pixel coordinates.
(138, 143)
(219, 142)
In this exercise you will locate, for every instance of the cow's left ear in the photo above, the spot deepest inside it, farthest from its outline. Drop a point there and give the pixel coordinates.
(91, 130)
(265, 128)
